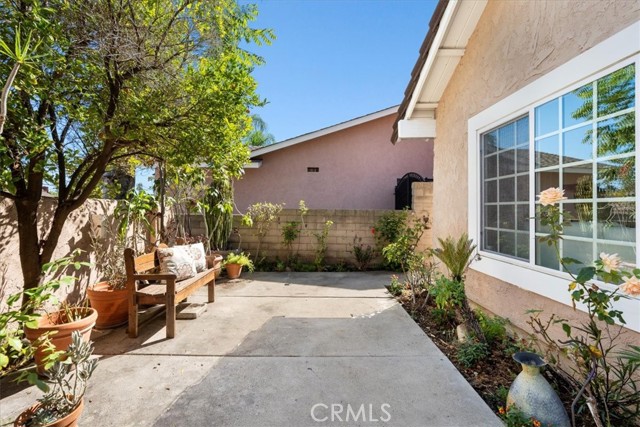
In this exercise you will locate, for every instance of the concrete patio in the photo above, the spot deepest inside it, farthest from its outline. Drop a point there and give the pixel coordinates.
(278, 349)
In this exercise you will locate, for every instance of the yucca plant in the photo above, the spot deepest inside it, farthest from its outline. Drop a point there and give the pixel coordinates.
(456, 255)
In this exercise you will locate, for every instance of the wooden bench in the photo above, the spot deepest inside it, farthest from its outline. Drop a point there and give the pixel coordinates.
(146, 287)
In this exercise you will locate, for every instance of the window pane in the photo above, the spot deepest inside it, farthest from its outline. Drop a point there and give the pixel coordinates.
(577, 106)
(506, 163)
(626, 253)
(546, 256)
(616, 91)
(522, 131)
(491, 240)
(490, 141)
(617, 178)
(577, 182)
(507, 136)
(522, 160)
(546, 180)
(547, 152)
(522, 217)
(522, 188)
(617, 221)
(617, 135)
(507, 243)
(547, 118)
(510, 144)
(507, 217)
(491, 216)
(581, 219)
(522, 245)
(491, 191)
(507, 190)
(490, 166)
(582, 251)
(577, 145)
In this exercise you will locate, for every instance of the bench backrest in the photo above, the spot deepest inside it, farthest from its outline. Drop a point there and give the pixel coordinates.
(139, 264)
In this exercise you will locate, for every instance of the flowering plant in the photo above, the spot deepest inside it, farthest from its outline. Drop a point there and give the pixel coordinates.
(610, 389)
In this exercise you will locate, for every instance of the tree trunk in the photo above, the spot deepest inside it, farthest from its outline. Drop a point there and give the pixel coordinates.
(30, 260)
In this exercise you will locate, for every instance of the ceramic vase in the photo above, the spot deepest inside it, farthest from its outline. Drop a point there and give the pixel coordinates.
(533, 395)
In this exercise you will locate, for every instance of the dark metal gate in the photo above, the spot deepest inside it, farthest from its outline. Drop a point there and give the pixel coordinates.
(403, 190)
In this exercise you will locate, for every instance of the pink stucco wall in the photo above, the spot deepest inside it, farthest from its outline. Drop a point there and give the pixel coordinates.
(358, 170)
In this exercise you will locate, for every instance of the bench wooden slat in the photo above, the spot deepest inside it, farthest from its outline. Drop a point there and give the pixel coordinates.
(145, 262)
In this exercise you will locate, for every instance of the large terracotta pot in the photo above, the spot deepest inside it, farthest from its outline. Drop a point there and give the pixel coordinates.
(233, 270)
(71, 420)
(60, 332)
(111, 305)
(215, 261)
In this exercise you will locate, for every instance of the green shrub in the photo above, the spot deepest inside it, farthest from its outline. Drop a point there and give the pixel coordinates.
(443, 317)
(513, 417)
(471, 352)
(448, 294)
(321, 249)
(395, 287)
(493, 327)
(363, 254)
(389, 227)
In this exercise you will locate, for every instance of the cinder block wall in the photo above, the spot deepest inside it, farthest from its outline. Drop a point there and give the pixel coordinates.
(422, 195)
(347, 225)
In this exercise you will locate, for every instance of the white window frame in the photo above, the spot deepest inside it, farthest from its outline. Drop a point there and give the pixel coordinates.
(617, 51)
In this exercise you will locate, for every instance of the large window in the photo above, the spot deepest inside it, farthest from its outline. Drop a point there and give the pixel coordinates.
(583, 141)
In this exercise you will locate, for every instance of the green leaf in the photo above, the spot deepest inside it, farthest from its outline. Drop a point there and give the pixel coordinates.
(585, 274)
(4, 360)
(569, 261)
(14, 343)
(567, 329)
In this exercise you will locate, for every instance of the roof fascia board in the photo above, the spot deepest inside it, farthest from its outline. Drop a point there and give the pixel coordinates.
(323, 132)
(445, 23)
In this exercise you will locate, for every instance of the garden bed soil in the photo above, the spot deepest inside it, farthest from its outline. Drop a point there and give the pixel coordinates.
(492, 376)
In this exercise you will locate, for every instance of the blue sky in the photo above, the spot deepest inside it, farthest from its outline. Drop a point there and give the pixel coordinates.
(334, 60)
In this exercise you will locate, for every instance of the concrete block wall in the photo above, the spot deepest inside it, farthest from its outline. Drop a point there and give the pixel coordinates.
(347, 225)
(422, 194)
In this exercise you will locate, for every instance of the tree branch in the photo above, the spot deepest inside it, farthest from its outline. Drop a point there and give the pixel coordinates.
(5, 94)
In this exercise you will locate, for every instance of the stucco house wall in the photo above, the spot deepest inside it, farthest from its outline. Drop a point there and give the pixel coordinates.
(358, 169)
(515, 42)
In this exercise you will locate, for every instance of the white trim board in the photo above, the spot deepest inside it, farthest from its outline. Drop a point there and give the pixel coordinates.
(618, 50)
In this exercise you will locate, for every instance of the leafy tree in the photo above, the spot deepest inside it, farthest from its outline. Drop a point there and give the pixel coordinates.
(115, 83)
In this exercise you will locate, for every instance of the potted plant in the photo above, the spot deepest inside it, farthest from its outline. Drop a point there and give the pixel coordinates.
(65, 386)
(53, 330)
(109, 297)
(234, 263)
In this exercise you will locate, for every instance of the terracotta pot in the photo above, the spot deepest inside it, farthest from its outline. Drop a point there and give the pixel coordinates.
(233, 270)
(111, 305)
(215, 261)
(71, 420)
(60, 332)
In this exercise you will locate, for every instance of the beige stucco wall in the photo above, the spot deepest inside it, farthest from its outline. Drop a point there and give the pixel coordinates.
(75, 235)
(514, 43)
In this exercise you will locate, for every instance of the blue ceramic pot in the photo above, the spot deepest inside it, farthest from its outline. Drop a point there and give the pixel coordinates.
(533, 395)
